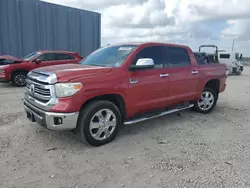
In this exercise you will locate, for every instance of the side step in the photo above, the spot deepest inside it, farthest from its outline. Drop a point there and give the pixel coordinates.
(158, 115)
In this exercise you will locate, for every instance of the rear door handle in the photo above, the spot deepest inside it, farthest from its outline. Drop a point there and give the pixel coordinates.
(164, 75)
(195, 72)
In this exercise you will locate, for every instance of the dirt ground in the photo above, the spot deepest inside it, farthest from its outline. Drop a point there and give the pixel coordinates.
(178, 150)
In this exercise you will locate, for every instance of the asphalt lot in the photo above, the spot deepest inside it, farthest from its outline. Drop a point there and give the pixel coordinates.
(178, 150)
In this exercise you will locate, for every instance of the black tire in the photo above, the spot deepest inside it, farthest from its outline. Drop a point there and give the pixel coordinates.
(82, 130)
(198, 107)
(19, 79)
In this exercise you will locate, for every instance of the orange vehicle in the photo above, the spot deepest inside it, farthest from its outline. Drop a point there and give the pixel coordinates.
(121, 84)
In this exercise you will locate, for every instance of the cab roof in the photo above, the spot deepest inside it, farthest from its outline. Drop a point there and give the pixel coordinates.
(149, 43)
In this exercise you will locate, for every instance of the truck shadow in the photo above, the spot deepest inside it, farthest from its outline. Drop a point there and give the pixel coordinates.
(150, 128)
(67, 140)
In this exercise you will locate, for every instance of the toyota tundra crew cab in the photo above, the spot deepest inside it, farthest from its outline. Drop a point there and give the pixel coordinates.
(15, 70)
(121, 84)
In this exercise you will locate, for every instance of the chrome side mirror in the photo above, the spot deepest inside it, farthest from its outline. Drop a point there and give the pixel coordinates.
(143, 63)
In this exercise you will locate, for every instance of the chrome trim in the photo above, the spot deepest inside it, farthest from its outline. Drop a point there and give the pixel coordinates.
(43, 94)
(194, 72)
(164, 75)
(45, 77)
(45, 106)
(133, 81)
(158, 115)
(42, 72)
(36, 83)
(69, 119)
(38, 95)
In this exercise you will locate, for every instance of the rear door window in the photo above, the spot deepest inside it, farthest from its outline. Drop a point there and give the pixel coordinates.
(64, 57)
(48, 57)
(176, 56)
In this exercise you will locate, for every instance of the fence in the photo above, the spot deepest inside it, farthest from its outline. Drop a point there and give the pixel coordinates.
(30, 25)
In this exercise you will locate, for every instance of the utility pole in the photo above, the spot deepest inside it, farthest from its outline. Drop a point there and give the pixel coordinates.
(233, 45)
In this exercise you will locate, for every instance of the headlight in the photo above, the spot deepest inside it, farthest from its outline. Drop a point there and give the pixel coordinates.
(67, 89)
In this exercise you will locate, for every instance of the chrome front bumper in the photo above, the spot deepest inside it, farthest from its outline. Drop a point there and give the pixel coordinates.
(50, 120)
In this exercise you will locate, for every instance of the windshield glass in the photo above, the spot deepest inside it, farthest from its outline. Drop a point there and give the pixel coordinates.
(110, 56)
(31, 55)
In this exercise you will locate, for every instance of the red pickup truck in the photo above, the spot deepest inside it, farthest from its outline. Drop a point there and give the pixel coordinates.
(16, 69)
(121, 84)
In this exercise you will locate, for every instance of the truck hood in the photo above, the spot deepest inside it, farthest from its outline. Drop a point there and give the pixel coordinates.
(69, 72)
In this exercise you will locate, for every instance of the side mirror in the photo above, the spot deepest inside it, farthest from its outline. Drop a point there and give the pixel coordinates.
(38, 61)
(143, 63)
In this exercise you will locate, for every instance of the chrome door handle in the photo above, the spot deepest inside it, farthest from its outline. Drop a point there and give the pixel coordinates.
(133, 81)
(164, 75)
(195, 72)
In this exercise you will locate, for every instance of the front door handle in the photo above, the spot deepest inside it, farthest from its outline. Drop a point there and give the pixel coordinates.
(195, 72)
(164, 75)
(133, 81)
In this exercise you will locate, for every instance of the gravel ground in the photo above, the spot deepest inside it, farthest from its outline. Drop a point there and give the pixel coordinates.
(178, 150)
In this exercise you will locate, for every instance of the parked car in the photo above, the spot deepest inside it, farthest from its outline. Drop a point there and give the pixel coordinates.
(15, 70)
(121, 84)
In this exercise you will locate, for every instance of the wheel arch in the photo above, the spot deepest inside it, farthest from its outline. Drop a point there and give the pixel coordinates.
(18, 70)
(116, 99)
(213, 84)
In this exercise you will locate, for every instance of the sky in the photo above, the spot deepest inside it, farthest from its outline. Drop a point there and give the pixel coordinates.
(189, 22)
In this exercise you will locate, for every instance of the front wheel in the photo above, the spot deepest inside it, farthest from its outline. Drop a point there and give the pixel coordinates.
(19, 79)
(98, 123)
(207, 102)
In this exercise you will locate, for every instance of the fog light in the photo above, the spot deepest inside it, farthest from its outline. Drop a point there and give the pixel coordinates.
(58, 121)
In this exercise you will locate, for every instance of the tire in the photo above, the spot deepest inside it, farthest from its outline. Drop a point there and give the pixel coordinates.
(209, 105)
(91, 115)
(19, 79)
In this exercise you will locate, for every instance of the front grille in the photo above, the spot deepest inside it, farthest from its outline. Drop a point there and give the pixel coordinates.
(37, 90)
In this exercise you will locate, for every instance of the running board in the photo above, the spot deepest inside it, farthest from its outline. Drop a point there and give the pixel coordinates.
(158, 115)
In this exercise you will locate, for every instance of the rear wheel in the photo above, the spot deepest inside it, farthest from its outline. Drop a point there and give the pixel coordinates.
(98, 123)
(207, 102)
(19, 79)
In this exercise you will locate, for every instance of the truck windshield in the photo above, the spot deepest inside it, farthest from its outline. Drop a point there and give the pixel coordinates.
(110, 56)
(30, 56)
